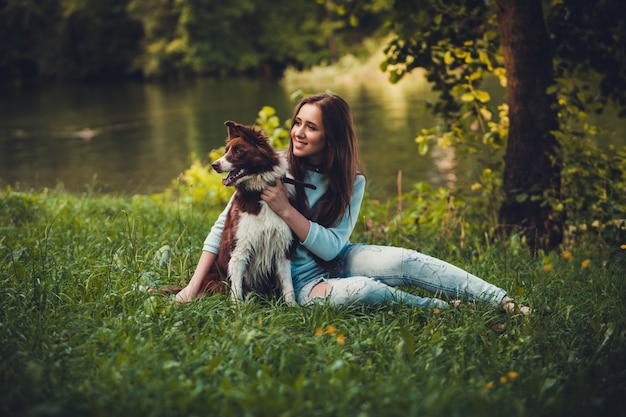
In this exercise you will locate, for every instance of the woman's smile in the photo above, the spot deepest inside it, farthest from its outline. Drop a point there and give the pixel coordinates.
(307, 134)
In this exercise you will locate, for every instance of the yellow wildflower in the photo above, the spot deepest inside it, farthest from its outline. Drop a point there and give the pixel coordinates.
(331, 329)
(585, 264)
(503, 380)
(341, 339)
(437, 311)
(623, 247)
(512, 375)
(547, 267)
(489, 385)
(319, 332)
(567, 255)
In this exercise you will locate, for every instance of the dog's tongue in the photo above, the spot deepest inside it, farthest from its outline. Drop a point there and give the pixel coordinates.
(231, 177)
(228, 180)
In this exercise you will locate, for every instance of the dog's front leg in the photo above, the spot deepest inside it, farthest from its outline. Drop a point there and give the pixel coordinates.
(285, 281)
(235, 271)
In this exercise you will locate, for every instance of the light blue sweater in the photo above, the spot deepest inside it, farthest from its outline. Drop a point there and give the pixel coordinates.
(327, 243)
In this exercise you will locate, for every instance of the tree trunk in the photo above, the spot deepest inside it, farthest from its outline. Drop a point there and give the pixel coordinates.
(532, 174)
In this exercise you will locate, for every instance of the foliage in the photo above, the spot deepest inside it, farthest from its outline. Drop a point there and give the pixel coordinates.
(91, 40)
(100, 40)
(589, 39)
(459, 45)
(452, 42)
(277, 132)
(17, 208)
(162, 48)
(245, 36)
(67, 39)
(460, 51)
(594, 178)
(595, 189)
(30, 35)
(200, 186)
(80, 335)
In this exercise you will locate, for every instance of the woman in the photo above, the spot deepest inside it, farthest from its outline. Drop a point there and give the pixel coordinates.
(326, 267)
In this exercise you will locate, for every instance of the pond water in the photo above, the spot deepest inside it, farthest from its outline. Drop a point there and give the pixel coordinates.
(137, 138)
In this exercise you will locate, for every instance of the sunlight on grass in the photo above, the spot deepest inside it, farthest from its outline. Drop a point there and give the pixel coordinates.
(351, 70)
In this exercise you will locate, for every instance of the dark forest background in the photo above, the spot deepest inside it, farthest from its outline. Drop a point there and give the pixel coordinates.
(94, 40)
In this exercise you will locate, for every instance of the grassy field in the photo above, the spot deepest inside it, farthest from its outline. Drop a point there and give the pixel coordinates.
(81, 336)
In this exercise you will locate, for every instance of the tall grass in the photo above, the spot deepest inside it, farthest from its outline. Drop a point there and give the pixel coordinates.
(80, 335)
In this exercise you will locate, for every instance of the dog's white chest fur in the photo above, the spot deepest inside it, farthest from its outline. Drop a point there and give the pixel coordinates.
(261, 238)
(263, 241)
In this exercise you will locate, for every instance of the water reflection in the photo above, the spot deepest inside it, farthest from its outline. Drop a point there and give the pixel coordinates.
(136, 138)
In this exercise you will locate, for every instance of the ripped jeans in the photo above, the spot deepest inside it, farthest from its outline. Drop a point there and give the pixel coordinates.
(369, 275)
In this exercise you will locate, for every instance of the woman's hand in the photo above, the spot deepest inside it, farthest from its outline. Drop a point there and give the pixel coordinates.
(185, 295)
(276, 197)
(190, 292)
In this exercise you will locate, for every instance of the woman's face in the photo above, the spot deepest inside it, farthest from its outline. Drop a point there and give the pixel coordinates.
(307, 135)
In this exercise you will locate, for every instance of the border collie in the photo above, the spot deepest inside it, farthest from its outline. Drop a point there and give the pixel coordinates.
(256, 243)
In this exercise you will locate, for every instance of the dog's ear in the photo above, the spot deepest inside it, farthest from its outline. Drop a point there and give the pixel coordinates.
(230, 127)
(249, 133)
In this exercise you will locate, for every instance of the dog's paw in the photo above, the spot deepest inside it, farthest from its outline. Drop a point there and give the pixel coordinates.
(290, 300)
(235, 299)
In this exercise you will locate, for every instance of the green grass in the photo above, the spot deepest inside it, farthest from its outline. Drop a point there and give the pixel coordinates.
(79, 335)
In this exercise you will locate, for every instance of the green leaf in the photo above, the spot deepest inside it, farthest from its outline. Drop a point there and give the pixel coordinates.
(485, 113)
(458, 89)
(266, 112)
(423, 148)
(474, 76)
(482, 96)
(484, 58)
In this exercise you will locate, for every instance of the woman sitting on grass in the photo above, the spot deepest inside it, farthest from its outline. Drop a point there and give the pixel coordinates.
(327, 267)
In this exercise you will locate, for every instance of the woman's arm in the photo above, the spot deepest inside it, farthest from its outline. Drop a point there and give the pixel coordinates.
(189, 293)
(207, 258)
(324, 242)
(328, 242)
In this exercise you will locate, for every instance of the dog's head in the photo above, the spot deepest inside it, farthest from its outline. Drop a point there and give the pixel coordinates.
(250, 160)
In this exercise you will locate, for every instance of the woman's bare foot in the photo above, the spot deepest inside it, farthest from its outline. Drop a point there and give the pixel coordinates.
(510, 307)
(455, 303)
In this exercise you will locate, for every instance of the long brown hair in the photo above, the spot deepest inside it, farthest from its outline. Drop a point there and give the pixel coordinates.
(341, 164)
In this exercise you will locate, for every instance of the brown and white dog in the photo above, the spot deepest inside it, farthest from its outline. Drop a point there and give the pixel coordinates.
(256, 243)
